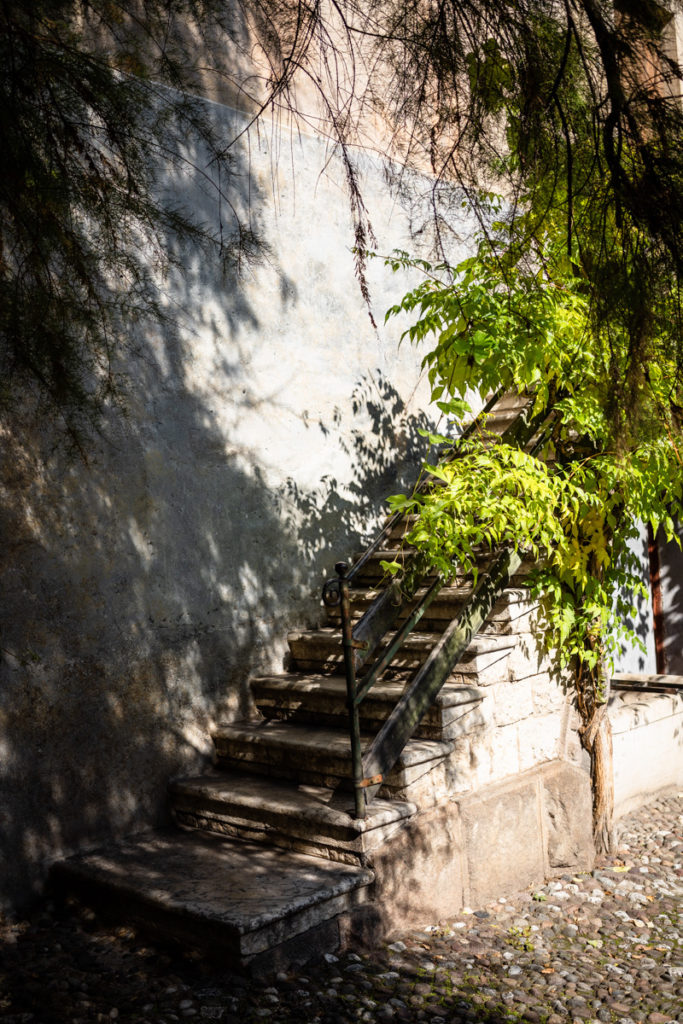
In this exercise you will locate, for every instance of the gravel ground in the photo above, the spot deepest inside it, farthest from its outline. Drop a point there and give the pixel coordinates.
(604, 946)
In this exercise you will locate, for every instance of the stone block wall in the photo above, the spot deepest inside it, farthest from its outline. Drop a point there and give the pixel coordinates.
(510, 806)
(525, 718)
(477, 847)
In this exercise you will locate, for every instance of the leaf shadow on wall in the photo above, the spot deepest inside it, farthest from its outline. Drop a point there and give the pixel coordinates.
(632, 657)
(138, 593)
(386, 450)
(671, 574)
(142, 589)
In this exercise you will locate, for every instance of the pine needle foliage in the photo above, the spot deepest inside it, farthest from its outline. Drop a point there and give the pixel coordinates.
(92, 107)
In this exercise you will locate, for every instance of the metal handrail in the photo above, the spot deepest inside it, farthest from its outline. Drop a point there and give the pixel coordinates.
(385, 609)
(392, 649)
(396, 517)
(359, 642)
(415, 701)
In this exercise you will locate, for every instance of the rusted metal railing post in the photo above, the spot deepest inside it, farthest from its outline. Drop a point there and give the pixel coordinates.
(341, 568)
(336, 592)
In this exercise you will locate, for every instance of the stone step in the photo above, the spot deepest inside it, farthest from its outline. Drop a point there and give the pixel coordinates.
(513, 400)
(400, 527)
(320, 650)
(319, 698)
(398, 530)
(371, 572)
(507, 613)
(499, 419)
(497, 422)
(315, 755)
(309, 819)
(253, 905)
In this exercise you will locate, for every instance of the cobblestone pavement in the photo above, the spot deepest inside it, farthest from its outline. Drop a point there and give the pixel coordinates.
(604, 946)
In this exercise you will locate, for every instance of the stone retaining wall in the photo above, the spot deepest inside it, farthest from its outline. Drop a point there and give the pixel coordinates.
(647, 732)
(486, 844)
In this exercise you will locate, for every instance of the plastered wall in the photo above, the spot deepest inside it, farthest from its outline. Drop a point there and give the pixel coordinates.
(262, 431)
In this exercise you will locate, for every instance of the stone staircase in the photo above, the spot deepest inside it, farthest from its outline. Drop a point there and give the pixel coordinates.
(269, 865)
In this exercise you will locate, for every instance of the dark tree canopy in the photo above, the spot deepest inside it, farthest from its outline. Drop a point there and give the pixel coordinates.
(570, 108)
(91, 101)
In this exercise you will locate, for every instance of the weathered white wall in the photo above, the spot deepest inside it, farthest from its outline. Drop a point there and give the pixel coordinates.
(647, 740)
(631, 657)
(141, 589)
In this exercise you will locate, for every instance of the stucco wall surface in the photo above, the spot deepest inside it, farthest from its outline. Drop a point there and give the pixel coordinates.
(632, 657)
(142, 586)
(647, 741)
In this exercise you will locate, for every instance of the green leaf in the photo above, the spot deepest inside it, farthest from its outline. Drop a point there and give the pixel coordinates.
(393, 568)
(434, 438)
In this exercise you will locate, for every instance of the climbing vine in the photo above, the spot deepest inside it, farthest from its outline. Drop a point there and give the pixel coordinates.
(519, 317)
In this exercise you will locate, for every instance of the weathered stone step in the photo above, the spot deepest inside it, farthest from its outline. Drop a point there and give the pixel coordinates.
(319, 698)
(506, 615)
(310, 819)
(254, 905)
(513, 400)
(320, 650)
(398, 530)
(504, 414)
(316, 755)
(400, 527)
(372, 570)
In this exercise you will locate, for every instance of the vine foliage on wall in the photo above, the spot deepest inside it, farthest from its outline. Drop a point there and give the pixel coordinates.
(518, 314)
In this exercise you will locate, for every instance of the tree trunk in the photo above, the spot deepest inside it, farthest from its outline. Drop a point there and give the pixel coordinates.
(602, 780)
(596, 737)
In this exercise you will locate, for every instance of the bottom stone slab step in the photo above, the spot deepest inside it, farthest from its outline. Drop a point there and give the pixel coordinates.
(240, 900)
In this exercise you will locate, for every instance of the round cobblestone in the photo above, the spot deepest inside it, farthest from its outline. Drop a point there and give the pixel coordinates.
(598, 947)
